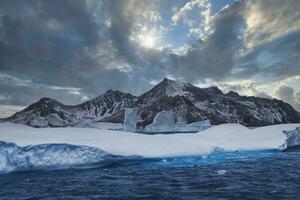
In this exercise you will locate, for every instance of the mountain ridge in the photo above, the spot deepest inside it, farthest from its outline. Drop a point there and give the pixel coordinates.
(187, 102)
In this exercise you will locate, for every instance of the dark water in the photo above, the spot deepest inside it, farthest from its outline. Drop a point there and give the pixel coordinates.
(265, 175)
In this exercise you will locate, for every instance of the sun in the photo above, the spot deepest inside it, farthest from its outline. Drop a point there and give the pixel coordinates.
(147, 41)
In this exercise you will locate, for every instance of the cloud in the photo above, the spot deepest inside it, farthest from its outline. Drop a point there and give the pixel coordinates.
(271, 41)
(69, 44)
(270, 20)
(214, 57)
(23, 92)
(254, 90)
(244, 87)
(289, 95)
(76, 49)
(41, 41)
(197, 15)
(246, 41)
(129, 19)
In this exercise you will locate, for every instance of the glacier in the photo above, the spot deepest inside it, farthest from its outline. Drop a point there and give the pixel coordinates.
(24, 147)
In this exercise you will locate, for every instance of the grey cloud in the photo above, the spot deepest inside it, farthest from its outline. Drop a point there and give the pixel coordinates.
(269, 20)
(262, 95)
(214, 57)
(274, 60)
(225, 53)
(32, 49)
(272, 40)
(26, 94)
(68, 44)
(146, 64)
(227, 87)
(289, 95)
(56, 42)
(252, 88)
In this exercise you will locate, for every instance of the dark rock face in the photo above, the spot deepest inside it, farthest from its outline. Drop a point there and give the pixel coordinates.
(46, 112)
(188, 103)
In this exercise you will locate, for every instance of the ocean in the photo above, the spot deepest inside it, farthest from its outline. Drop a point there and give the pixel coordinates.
(236, 175)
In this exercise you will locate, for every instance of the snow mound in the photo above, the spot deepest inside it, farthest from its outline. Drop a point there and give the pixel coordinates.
(48, 156)
(192, 127)
(100, 125)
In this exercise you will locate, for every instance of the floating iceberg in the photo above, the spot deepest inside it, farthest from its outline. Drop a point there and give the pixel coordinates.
(31, 148)
(48, 156)
(293, 139)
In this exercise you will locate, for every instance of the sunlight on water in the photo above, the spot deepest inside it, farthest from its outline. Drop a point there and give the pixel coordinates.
(214, 158)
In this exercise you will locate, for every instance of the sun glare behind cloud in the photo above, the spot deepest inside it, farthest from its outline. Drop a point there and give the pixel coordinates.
(147, 41)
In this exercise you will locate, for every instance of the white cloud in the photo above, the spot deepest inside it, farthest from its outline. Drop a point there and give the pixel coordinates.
(197, 15)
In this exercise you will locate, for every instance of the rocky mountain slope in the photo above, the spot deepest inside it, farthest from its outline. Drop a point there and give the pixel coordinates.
(188, 103)
(48, 112)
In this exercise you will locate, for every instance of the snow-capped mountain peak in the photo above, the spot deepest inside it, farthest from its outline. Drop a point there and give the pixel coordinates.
(166, 87)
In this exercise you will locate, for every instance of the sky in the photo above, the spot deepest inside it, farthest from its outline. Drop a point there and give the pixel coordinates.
(74, 50)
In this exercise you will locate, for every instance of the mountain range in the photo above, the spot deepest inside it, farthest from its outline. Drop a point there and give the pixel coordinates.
(187, 102)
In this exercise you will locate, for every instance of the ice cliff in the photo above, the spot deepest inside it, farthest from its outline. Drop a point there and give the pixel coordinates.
(48, 156)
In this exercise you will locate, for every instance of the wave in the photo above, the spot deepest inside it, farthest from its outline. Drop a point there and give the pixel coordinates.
(51, 156)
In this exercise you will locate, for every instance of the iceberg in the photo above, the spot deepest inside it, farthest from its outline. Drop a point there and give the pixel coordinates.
(228, 137)
(130, 120)
(164, 121)
(24, 147)
(48, 156)
(293, 139)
